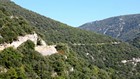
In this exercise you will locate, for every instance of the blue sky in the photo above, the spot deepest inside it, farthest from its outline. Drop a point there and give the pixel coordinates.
(78, 12)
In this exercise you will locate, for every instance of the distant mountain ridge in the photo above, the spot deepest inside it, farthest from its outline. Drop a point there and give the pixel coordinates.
(124, 27)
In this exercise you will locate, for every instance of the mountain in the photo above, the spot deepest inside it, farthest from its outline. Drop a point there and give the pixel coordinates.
(124, 27)
(78, 53)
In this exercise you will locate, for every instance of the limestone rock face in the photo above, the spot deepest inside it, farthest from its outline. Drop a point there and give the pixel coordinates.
(44, 49)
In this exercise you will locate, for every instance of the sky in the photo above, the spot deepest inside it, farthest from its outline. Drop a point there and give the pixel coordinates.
(78, 12)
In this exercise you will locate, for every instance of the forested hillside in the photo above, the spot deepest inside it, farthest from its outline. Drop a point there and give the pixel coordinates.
(26, 63)
(135, 42)
(81, 54)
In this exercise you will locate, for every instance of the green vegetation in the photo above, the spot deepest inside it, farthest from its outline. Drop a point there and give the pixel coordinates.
(135, 42)
(12, 26)
(54, 31)
(25, 63)
(82, 54)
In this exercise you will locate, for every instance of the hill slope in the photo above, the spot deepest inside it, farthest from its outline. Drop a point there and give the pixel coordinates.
(81, 54)
(52, 30)
(125, 27)
(22, 61)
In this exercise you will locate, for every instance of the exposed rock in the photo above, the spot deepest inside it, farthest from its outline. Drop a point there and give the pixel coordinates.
(71, 69)
(43, 48)
(22, 39)
(87, 53)
(54, 74)
(123, 61)
(46, 50)
(3, 70)
(65, 56)
(134, 61)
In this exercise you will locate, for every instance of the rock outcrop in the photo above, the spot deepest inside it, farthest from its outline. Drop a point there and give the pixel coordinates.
(44, 49)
